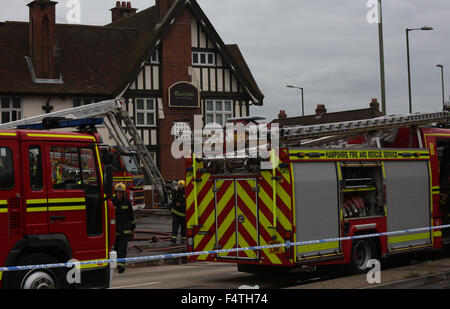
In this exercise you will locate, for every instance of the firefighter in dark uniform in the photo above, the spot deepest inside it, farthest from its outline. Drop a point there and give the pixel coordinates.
(125, 224)
(179, 213)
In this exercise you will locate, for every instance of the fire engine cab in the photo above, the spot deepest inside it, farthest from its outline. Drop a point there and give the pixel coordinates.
(127, 170)
(325, 184)
(53, 207)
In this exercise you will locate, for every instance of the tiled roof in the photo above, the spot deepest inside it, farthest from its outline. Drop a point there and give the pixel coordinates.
(95, 60)
(348, 115)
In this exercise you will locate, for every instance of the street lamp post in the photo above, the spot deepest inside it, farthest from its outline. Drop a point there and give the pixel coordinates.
(303, 102)
(381, 46)
(442, 79)
(424, 28)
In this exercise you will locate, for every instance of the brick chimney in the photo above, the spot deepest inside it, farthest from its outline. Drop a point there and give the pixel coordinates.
(122, 10)
(375, 105)
(42, 38)
(320, 110)
(282, 114)
(162, 7)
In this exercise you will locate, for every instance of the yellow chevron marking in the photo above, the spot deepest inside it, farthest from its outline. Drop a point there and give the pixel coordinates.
(281, 218)
(230, 218)
(244, 244)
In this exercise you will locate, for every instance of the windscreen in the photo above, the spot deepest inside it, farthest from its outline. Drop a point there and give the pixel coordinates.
(129, 160)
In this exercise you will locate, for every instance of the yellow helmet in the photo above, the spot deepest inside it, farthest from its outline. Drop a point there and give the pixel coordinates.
(182, 182)
(120, 187)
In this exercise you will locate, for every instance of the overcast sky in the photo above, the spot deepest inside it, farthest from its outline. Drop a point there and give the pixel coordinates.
(326, 46)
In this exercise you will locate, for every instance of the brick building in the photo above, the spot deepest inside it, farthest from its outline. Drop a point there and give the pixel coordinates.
(167, 61)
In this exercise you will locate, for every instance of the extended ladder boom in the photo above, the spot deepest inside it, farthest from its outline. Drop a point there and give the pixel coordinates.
(297, 133)
(115, 112)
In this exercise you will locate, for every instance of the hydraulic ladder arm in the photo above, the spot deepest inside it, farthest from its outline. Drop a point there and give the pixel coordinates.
(114, 111)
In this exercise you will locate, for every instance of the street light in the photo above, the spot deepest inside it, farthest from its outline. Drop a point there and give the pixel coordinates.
(442, 78)
(381, 47)
(424, 28)
(303, 102)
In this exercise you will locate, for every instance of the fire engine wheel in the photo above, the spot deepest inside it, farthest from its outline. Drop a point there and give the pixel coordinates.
(38, 278)
(362, 251)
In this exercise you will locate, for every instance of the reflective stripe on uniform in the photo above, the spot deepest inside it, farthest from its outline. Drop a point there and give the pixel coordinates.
(178, 213)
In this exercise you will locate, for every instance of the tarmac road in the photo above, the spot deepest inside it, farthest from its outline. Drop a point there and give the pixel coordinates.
(404, 272)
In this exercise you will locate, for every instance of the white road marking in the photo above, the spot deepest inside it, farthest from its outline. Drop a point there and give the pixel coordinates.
(133, 285)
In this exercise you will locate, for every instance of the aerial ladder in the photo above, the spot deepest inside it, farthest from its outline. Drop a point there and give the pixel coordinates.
(121, 127)
(294, 135)
(374, 130)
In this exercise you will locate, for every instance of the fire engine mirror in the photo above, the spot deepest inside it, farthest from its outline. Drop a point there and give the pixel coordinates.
(106, 155)
(108, 179)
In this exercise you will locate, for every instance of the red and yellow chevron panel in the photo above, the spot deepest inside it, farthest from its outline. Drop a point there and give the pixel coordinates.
(226, 216)
(247, 217)
(201, 219)
(240, 212)
(283, 212)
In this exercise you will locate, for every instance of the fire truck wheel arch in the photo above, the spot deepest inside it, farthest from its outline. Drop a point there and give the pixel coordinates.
(55, 244)
(37, 278)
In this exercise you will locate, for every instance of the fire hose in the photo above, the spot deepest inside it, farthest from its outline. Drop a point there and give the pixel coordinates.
(157, 237)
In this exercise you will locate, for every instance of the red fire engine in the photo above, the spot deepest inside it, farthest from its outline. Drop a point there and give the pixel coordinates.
(53, 207)
(398, 180)
(127, 171)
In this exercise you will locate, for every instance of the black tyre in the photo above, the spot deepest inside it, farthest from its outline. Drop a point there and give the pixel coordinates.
(54, 278)
(362, 251)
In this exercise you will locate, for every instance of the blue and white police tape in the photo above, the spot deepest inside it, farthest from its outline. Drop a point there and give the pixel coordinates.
(186, 254)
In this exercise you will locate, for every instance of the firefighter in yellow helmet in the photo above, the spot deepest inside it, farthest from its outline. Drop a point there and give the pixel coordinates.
(125, 223)
(179, 213)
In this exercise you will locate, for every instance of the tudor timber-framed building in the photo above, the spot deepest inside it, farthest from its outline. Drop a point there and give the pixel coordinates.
(139, 56)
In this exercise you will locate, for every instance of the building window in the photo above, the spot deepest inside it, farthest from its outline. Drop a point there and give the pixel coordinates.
(203, 58)
(84, 101)
(145, 112)
(218, 111)
(154, 57)
(181, 130)
(11, 109)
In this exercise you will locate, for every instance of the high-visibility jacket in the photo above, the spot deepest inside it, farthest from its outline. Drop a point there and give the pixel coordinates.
(180, 199)
(125, 223)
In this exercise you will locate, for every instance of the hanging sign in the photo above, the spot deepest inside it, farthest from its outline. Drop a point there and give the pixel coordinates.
(184, 94)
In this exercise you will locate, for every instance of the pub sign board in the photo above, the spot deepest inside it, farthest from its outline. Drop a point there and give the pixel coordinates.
(184, 94)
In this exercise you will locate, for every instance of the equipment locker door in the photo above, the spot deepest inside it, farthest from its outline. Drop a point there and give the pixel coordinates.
(407, 203)
(237, 217)
(316, 208)
(247, 217)
(225, 216)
